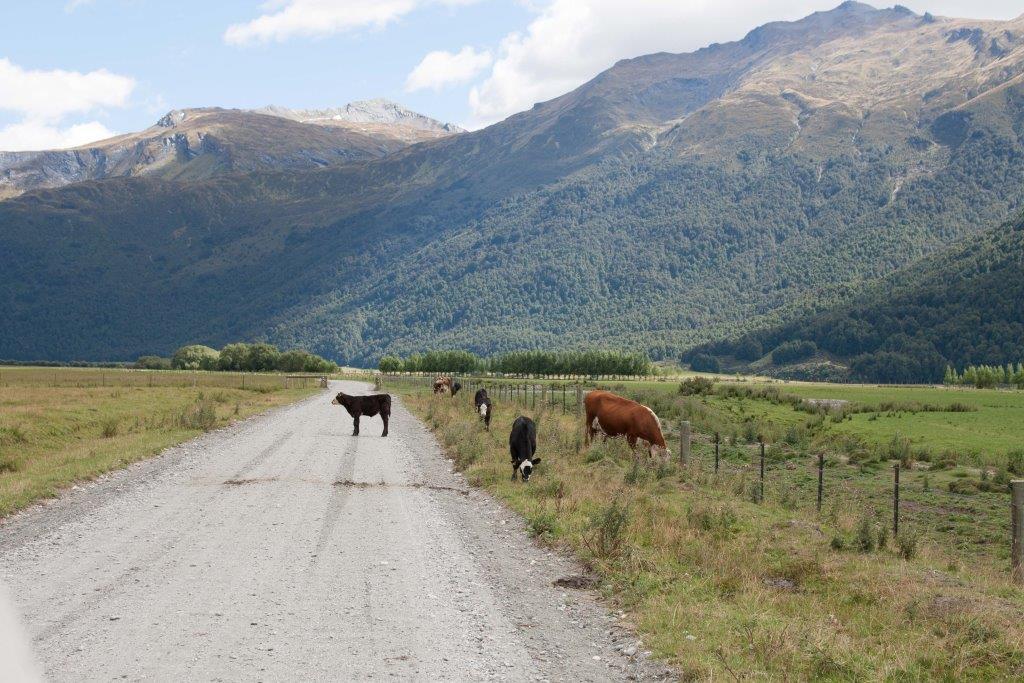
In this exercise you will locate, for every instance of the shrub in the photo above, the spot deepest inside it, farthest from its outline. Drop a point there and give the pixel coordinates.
(718, 521)
(109, 428)
(864, 539)
(636, 474)
(261, 358)
(964, 487)
(390, 364)
(899, 449)
(883, 536)
(1015, 462)
(607, 530)
(232, 357)
(153, 363)
(201, 415)
(696, 386)
(906, 541)
(542, 524)
(703, 362)
(195, 357)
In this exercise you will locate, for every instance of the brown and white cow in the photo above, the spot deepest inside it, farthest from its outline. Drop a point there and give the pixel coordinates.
(617, 416)
(443, 385)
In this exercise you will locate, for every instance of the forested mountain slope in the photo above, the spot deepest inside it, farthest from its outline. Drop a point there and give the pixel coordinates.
(673, 200)
(960, 307)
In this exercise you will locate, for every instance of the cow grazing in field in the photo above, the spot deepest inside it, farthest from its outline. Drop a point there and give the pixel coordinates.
(365, 405)
(522, 444)
(445, 385)
(483, 406)
(617, 416)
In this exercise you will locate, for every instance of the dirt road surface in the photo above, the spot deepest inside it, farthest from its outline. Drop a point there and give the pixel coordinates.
(283, 548)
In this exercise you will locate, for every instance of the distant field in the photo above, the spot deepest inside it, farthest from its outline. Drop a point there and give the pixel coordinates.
(61, 426)
(727, 588)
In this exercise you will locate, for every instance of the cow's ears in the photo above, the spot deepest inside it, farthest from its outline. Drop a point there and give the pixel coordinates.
(535, 461)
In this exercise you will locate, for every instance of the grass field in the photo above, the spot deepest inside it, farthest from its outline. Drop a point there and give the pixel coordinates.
(52, 437)
(728, 588)
(986, 434)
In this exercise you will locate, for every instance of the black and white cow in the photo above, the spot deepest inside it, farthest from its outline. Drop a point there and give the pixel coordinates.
(522, 443)
(483, 406)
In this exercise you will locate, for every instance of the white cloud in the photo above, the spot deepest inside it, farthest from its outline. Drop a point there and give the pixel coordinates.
(72, 5)
(44, 99)
(49, 95)
(571, 41)
(440, 69)
(284, 19)
(34, 135)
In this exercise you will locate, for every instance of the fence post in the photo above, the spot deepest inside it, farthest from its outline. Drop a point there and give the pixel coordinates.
(533, 398)
(684, 441)
(563, 400)
(718, 440)
(896, 500)
(760, 490)
(579, 400)
(821, 478)
(1017, 527)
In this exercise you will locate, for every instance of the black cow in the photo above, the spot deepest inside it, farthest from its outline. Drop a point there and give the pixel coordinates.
(522, 443)
(483, 406)
(365, 405)
(455, 388)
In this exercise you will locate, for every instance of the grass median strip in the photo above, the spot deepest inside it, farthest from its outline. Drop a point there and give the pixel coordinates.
(51, 438)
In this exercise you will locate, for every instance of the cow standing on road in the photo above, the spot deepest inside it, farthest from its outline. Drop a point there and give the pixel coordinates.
(522, 443)
(617, 416)
(365, 405)
(483, 406)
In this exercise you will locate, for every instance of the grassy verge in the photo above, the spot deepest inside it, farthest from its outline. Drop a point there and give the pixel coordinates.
(51, 438)
(725, 587)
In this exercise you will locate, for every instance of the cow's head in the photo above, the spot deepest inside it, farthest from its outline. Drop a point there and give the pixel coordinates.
(661, 452)
(483, 410)
(339, 400)
(526, 468)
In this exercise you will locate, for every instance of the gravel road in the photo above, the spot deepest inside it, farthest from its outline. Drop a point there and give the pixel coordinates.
(283, 548)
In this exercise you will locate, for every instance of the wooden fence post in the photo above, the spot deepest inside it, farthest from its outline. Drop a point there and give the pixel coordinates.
(821, 478)
(1017, 527)
(718, 440)
(684, 442)
(579, 400)
(896, 500)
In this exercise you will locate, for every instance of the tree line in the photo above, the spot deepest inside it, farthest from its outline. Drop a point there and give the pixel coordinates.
(986, 376)
(239, 357)
(536, 363)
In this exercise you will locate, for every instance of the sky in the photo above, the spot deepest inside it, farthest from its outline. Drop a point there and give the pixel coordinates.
(75, 71)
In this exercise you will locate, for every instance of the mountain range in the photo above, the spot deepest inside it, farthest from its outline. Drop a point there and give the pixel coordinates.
(192, 144)
(673, 200)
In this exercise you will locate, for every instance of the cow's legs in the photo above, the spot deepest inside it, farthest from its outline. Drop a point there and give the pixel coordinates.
(631, 440)
(355, 426)
(514, 470)
(384, 417)
(589, 428)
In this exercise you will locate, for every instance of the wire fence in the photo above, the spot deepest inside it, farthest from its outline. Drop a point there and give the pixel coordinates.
(796, 479)
(112, 377)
